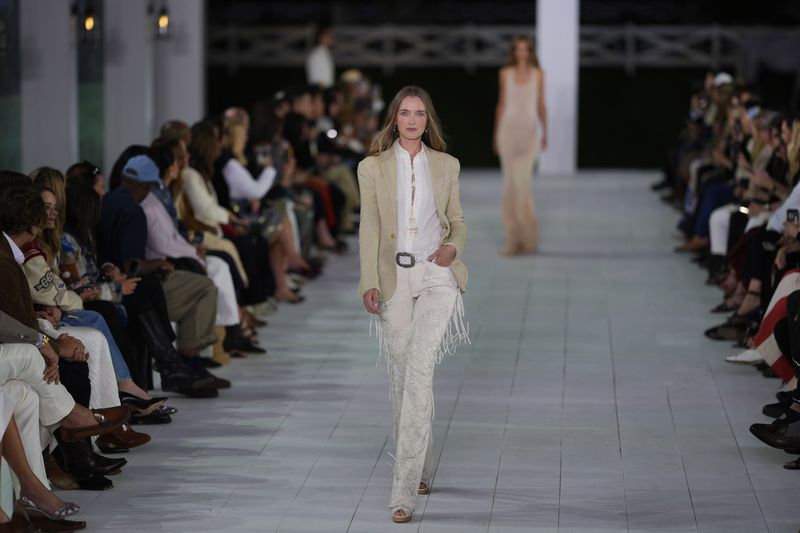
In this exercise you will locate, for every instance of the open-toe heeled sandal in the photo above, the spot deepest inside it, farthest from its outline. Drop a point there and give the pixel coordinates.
(424, 488)
(401, 516)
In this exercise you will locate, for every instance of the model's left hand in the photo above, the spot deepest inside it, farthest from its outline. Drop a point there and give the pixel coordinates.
(444, 256)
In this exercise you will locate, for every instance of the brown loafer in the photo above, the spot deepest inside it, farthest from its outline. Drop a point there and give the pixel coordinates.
(112, 415)
(79, 433)
(122, 438)
(424, 488)
(401, 516)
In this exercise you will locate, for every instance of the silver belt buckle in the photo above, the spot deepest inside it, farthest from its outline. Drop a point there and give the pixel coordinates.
(405, 260)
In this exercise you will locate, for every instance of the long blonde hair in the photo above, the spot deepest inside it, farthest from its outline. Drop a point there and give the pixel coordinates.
(52, 180)
(237, 122)
(793, 151)
(533, 59)
(433, 135)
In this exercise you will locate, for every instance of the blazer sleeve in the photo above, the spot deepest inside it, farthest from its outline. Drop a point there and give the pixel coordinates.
(369, 228)
(13, 331)
(455, 215)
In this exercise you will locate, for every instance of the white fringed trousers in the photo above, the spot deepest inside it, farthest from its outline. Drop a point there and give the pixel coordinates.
(419, 324)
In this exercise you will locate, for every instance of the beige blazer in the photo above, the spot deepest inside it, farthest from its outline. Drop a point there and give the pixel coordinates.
(377, 177)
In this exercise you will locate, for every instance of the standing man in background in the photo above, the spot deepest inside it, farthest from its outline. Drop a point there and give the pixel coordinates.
(320, 69)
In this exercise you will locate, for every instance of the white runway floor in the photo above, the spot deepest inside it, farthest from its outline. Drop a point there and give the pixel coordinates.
(589, 400)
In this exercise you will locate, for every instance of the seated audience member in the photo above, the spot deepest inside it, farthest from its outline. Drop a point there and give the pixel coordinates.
(61, 305)
(220, 221)
(191, 298)
(247, 196)
(89, 175)
(164, 240)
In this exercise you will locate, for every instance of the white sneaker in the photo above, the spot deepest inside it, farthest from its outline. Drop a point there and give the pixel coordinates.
(750, 357)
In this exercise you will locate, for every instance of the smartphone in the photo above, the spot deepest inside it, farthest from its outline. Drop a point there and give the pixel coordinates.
(133, 269)
(792, 216)
(83, 288)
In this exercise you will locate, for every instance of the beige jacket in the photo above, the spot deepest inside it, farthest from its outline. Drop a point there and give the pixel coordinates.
(377, 177)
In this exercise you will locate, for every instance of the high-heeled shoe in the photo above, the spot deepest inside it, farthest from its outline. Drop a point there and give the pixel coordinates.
(30, 519)
(28, 507)
(140, 405)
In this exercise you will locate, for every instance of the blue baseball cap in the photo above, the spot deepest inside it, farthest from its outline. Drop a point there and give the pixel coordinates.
(142, 169)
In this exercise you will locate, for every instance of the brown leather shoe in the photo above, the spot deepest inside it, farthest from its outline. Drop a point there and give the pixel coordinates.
(122, 438)
(79, 433)
(112, 415)
(57, 476)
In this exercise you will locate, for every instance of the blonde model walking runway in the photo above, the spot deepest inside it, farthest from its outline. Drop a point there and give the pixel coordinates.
(411, 232)
(518, 141)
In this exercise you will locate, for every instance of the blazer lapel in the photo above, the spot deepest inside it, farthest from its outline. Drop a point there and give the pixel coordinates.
(389, 171)
(437, 179)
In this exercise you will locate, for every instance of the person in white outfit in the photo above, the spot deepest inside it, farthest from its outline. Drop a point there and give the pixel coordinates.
(412, 231)
(320, 69)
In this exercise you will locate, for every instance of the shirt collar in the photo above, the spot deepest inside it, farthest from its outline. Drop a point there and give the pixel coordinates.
(19, 257)
(402, 152)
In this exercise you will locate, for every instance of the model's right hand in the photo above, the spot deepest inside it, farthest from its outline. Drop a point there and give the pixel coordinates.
(371, 301)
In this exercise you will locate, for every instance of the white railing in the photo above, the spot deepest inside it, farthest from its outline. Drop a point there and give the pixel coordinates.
(471, 46)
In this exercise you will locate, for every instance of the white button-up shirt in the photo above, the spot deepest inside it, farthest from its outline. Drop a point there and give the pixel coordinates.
(429, 233)
(19, 257)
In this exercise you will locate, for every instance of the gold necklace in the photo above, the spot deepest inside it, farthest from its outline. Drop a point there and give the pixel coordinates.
(412, 220)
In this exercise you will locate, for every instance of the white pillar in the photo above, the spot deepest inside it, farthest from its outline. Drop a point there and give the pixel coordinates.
(129, 36)
(557, 34)
(49, 84)
(181, 65)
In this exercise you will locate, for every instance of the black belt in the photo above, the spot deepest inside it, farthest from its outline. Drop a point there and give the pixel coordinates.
(407, 260)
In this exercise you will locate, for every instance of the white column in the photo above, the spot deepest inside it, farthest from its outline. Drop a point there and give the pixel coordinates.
(129, 36)
(181, 65)
(557, 34)
(49, 84)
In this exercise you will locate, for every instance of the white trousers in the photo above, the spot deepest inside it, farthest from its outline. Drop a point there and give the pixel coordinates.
(720, 224)
(23, 362)
(105, 392)
(227, 308)
(420, 323)
(19, 398)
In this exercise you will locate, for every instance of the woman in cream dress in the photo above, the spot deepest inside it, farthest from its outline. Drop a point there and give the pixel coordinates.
(518, 141)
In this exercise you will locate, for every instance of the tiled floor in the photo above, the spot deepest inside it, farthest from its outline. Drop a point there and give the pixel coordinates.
(589, 401)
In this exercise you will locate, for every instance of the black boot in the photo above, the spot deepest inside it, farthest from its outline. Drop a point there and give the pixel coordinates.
(236, 342)
(175, 375)
(75, 458)
(197, 365)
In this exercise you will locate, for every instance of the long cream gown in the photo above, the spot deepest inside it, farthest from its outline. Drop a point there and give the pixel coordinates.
(518, 146)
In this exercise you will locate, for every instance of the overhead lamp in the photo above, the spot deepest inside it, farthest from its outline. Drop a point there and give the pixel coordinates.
(162, 24)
